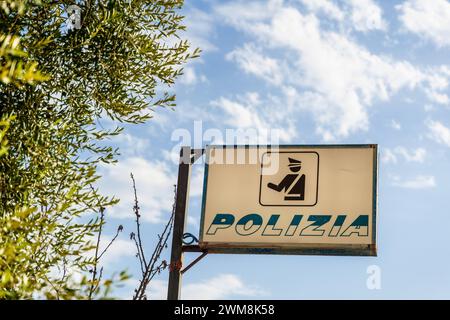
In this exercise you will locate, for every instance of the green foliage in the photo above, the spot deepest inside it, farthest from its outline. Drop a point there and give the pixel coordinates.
(110, 69)
(16, 5)
(15, 67)
(4, 126)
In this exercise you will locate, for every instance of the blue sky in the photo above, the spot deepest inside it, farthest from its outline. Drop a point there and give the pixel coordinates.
(312, 71)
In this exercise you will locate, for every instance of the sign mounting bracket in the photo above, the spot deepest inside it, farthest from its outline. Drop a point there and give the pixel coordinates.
(200, 257)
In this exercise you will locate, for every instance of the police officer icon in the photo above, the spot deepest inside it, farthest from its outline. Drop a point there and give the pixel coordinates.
(293, 184)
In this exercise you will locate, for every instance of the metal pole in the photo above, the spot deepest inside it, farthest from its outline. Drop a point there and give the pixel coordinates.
(182, 197)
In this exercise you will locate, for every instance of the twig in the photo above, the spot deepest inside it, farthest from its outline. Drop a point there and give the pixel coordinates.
(97, 282)
(94, 272)
(150, 269)
(138, 254)
(119, 229)
(138, 224)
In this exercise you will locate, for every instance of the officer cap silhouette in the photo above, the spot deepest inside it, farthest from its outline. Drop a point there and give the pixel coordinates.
(294, 165)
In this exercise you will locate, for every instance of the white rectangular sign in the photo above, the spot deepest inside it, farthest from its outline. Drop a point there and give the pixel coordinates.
(290, 199)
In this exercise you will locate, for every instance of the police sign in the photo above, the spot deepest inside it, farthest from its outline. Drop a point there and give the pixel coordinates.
(317, 199)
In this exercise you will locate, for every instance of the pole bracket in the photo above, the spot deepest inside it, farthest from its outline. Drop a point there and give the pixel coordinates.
(175, 266)
(191, 155)
(200, 257)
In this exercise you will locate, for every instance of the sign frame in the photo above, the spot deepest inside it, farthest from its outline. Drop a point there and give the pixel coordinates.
(319, 249)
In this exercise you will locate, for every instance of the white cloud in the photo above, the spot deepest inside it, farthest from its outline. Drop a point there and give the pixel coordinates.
(429, 19)
(157, 290)
(256, 121)
(336, 78)
(240, 114)
(154, 183)
(172, 155)
(252, 61)
(366, 15)
(245, 13)
(222, 286)
(437, 97)
(200, 30)
(324, 6)
(190, 77)
(388, 156)
(438, 81)
(418, 182)
(417, 155)
(396, 125)
(392, 155)
(119, 249)
(196, 183)
(359, 15)
(130, 145)
(438, 132)
(346, 78)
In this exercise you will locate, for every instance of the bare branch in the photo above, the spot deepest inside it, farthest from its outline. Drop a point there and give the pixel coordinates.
(94, 272)
(138, 224)
(119, 229)
(138, 254)
(97, 281)
(150, 269)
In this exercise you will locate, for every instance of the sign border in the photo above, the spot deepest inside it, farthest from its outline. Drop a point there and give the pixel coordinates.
(323, 249)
